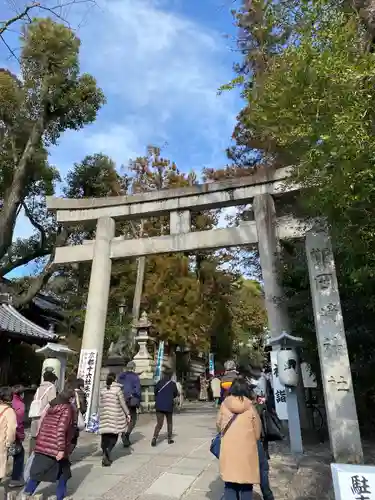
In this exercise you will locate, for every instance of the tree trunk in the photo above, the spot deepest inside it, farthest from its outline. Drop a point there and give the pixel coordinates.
(13, 197)
(366, 11)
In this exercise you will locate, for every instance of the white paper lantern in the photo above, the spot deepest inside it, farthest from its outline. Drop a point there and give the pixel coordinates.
(287, 360)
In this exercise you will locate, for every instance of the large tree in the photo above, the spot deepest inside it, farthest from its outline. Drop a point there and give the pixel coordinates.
(50, 97)
(310, 104)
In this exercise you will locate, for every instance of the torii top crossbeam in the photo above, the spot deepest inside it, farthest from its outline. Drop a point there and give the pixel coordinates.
(230, 192)
(179, 203)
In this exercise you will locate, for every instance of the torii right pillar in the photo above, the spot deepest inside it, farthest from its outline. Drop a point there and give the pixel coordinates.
(336, 375)
(278, 320)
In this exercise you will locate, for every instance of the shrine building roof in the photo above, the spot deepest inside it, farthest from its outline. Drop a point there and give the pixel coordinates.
(12, 322)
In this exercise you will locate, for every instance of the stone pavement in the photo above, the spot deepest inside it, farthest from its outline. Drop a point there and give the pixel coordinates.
(185, 469)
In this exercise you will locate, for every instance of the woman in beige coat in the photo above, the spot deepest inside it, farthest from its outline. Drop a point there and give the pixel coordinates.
(8, 426)
(239, 461)
(114, 417)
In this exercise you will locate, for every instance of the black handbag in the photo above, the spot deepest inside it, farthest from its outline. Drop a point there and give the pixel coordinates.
(15, 449)
(272, 426)
(133, 402)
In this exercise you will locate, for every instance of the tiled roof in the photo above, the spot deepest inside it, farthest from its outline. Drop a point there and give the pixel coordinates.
(12, 321)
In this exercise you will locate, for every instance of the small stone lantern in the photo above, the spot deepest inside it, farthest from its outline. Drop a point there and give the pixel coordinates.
(55, 360)
(144, 362)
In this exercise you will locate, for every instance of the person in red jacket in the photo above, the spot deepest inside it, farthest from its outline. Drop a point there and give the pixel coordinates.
(53, 445)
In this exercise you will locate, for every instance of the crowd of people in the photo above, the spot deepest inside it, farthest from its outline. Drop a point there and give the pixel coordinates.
(56, 423)
(244, 416)
(54, 432)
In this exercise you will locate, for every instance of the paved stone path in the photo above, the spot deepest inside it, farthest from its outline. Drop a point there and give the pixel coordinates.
(185, 469)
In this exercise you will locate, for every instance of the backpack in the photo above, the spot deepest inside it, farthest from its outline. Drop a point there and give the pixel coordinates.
(37, 407)
(128, 390)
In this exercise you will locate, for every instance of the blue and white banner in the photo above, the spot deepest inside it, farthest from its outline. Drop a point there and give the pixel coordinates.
(159, 360)
(211, 364)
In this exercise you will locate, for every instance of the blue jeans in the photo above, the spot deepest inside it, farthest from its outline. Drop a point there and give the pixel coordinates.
(235, 491)
(31, 486)
(263, 471)
(18, 464)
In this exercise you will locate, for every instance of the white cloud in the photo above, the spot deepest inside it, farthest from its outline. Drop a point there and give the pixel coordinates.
(118, 141)
(164, 69)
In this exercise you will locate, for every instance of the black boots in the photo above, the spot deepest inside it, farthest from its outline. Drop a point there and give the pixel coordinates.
(106, 461)
(153, 442)
(126, 440)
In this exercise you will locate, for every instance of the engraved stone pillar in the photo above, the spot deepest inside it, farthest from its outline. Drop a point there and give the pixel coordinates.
(97, 300)
(333, 353)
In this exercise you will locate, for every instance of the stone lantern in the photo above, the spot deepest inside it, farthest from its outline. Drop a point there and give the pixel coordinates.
(55, 360)
(144, 362)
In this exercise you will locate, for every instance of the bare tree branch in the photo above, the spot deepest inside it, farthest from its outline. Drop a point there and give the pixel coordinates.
(39, 227)
(12, 53)
(4, 25)
(24, 15)
(22, 261)
(41, 280)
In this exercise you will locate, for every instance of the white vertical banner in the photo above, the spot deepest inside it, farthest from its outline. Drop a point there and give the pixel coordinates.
(86, 371)
(279, 390)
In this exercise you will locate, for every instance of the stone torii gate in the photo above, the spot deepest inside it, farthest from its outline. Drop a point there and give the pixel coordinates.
(261, 190)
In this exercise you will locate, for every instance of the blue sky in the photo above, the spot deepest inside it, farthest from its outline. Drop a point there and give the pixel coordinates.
(160, 63)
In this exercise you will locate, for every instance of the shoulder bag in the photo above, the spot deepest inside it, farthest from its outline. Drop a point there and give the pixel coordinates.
(216, 442)
(80, 420)
(272, 426)
(36, 407)
(165, 385)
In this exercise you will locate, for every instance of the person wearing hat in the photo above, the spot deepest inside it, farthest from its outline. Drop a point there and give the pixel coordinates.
(228, 378)
(131, 386)
(45, 393)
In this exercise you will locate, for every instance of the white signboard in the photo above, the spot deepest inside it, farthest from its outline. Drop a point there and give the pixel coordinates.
(86, 371)
(279, 390)
(353, 482)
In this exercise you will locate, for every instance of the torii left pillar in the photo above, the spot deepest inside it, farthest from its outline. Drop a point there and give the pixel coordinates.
(97, 302)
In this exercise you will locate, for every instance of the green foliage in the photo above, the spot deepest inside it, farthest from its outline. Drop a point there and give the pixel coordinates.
(310, 104)
(51, 97)
(50, 71)
(95, 176)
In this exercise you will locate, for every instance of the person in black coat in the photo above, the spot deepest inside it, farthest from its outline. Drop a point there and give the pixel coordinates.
(165, 393)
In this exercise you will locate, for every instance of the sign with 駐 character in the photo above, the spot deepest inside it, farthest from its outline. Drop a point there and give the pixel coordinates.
(353, 482)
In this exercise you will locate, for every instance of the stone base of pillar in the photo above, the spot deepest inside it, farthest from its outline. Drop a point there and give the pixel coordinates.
(148, 397)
